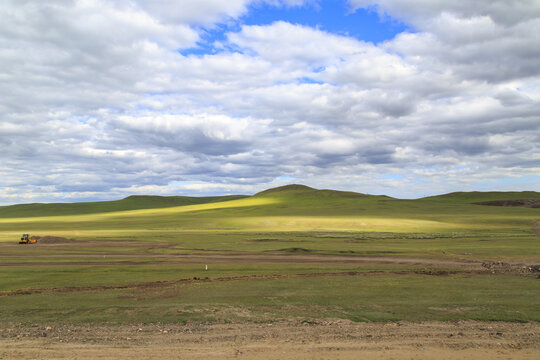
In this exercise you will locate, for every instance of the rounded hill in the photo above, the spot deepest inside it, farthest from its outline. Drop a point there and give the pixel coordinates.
(303, 190)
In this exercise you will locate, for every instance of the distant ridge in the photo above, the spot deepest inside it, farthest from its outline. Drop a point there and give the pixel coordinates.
(133, 202)
(479, 196)
(297, 193)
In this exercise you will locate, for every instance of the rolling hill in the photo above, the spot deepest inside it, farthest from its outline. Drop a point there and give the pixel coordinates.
(287, 208)
(134, 202)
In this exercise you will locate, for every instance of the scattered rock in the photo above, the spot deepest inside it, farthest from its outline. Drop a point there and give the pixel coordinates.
(499, 267)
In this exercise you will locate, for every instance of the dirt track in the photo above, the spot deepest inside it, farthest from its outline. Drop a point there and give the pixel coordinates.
(327, 340)
(242, 258)
(158, 284)
(143, 251)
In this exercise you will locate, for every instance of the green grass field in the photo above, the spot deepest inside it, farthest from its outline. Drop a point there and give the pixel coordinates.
(134, 260)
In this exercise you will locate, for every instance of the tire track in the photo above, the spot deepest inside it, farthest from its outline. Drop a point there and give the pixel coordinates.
(163, 284)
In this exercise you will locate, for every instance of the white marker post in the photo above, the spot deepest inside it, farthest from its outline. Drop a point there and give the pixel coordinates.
(205, 267)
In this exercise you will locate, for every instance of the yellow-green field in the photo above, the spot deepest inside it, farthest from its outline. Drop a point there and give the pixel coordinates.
(291, 252)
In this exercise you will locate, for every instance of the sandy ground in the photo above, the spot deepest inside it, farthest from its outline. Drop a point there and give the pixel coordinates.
(285, 341)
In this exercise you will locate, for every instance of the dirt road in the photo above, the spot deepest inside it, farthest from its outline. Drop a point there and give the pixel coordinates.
(285, 341)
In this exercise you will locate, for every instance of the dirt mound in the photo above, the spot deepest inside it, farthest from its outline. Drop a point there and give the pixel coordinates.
(524, 203)
(52, 240)
(499, 267)
(296, 250)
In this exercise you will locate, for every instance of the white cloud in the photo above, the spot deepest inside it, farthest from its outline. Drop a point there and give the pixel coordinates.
(285, 43)
(486, 39)
(97, 102)
(420, 12)
(200, 12)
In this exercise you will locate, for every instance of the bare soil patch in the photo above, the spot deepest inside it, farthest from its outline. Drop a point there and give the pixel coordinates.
(500, 267)
(338, 339)
(52, 240)
(528, 203)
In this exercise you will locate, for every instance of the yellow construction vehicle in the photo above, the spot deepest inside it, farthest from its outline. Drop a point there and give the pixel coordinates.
(26, 240)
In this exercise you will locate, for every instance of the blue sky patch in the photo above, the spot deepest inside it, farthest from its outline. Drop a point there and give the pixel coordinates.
(285, 178)
(331, 16)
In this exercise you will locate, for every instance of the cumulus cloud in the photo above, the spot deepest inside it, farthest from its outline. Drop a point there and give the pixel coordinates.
(487, 40)
(97, 100)
(201, 134)
(200, 12)
(284, 43)
(424, 11)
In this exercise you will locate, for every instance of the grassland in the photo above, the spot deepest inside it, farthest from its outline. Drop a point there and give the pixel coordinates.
(287, 253)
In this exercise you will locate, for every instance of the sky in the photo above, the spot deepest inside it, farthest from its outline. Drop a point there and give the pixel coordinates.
(102, 99)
